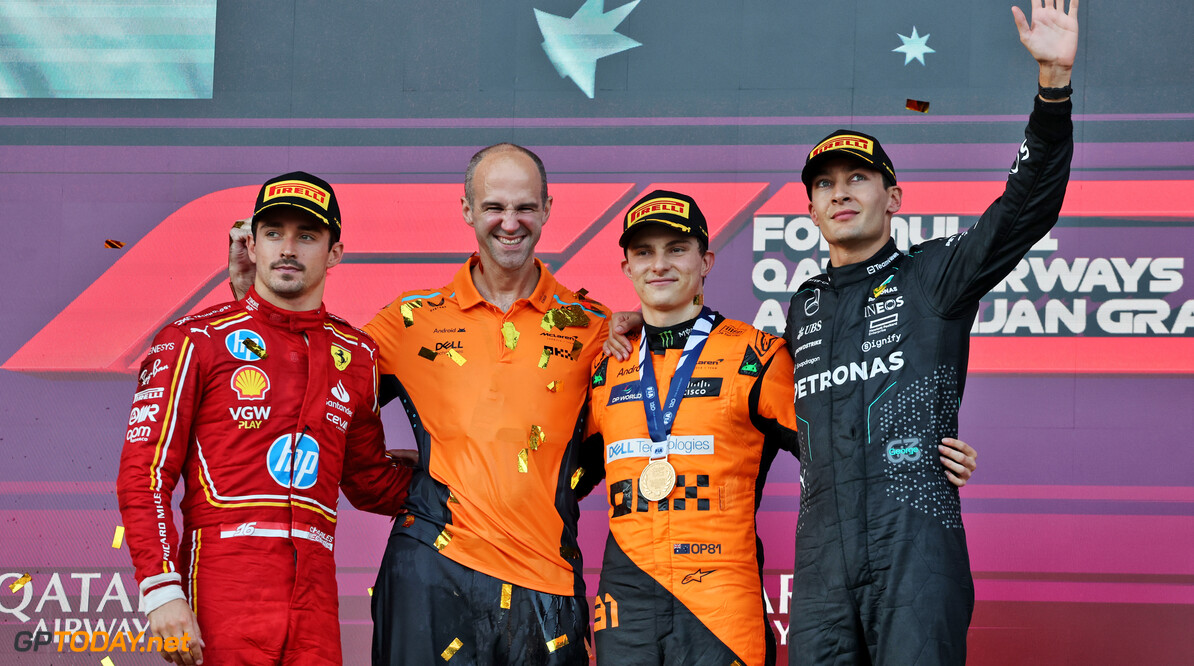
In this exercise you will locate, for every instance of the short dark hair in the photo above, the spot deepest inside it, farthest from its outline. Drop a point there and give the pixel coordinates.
(498, 148)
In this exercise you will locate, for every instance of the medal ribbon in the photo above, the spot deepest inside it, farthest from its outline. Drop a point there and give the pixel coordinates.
(660, 418)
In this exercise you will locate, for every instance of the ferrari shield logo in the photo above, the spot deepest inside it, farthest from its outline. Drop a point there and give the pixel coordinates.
(341, 357)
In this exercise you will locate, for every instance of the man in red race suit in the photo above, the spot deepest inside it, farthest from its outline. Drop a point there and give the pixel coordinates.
(266, 407)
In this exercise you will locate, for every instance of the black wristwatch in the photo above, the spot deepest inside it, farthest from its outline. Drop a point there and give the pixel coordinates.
(1054, 93)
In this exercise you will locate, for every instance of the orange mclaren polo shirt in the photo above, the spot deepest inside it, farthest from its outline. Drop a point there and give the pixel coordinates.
(496, 402)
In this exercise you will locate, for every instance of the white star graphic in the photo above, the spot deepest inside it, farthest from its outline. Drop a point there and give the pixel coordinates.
(913, 47)
(574, 45)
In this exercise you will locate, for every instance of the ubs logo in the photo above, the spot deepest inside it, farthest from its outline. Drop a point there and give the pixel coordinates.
(809, 329)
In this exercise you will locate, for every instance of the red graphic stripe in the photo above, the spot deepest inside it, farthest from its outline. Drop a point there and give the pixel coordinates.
(596, 266)
(400, 220)
(1152, 355)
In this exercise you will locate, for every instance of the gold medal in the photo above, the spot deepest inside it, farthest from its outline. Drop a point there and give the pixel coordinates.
(657, 480)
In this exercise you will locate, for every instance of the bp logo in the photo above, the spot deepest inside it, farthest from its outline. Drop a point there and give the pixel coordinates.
(287, 461)
(245, 345)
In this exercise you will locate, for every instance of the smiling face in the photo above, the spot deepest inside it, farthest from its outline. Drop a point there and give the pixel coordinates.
(853, 207)
(293, 254)
(668, 270)
(506, 210)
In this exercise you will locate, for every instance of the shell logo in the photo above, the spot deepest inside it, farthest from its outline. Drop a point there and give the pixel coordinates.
(250, 383)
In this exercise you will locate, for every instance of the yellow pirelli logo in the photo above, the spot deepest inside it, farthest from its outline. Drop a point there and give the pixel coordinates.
(297, 188)
(844, 141)
(661, 205)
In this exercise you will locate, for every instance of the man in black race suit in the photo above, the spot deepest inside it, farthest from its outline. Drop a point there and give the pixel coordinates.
(880, 346)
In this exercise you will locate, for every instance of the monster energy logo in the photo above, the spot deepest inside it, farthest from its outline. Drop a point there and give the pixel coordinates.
(670, 339)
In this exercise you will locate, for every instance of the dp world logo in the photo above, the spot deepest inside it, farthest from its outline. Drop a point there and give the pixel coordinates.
(287, 461)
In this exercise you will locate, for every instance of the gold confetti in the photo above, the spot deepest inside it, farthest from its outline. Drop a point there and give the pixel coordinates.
(569, 553)
(577, 345)
(408, 520)
(450, 651)
(522, 461)
(113, 244)
(544, 358)
(427, 353)
(20, 582)
(408, 311)
(553, 386)
(255, 348)
(917, 105)
(442, 540)
(574, 315)
(561, 318)
(536, 437)
(370, 591)
(240, 224)
(580, 471)
(118, 537)
(507, 589)
(106, 661)
(510, 335)
(699, 299)
(452, 497)
(456, 357)
(557, 643)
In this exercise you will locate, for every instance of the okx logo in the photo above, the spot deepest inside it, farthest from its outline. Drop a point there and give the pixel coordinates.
(294, 465)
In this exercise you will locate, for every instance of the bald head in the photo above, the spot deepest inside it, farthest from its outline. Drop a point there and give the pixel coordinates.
(499, 148)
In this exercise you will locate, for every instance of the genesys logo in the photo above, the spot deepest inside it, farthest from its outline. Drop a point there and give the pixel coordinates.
(120, 331)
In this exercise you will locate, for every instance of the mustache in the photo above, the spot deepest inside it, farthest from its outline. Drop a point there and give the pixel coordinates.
(293, 263)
